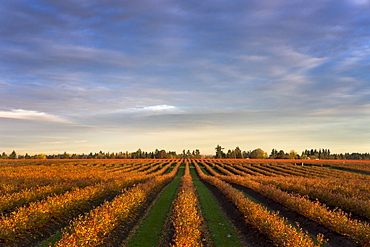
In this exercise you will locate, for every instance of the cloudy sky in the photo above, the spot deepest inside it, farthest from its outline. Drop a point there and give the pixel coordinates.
(84, 75)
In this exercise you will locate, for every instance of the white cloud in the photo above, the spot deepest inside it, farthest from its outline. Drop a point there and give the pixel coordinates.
(157, 108)
(153, 109)
(32, 115)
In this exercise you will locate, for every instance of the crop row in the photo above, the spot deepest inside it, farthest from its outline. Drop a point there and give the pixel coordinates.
(286, 168)
(17, 178)
(299, 170)
(246, 170)
(39, 214)
(9, 201)
(269, 223)
(349, 186)
(186, 217)
(94, 228)
(318, 171)
(257, 169)
(335, 220)
(358, 189)
(292, 170)
(350, 196)
(40, 198)
(354, 165)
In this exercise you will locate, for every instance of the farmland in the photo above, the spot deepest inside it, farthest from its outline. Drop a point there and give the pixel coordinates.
(184, 202)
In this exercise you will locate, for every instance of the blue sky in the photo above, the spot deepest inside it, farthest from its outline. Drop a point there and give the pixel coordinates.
(84, 76)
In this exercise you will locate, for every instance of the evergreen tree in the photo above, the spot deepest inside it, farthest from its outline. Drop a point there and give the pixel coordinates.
(4, 156)
(13, 155)
(219, 153)
(273, 154)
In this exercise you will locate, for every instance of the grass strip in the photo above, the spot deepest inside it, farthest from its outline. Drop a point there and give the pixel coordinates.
(221, 230)
(202, 168)
(150, 231)
(52, 240)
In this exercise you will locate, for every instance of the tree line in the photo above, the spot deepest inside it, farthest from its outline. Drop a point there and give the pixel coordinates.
(292, 154)
(220, 153)
(139, 154)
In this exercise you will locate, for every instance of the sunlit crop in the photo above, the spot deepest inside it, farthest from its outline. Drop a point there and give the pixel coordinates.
(98, 201)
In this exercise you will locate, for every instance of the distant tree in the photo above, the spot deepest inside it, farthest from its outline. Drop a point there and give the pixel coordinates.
(162, 154)
(4, 156)
(219, 153)
(152, 155)
(304, 157)
(281, 155)
(83, 156)
(230, 154)
(13, 155)
(273, 154)
(258, 154)
(41, 156)
(293, 155)
(197, 154)
(64, 156)
(246, 154)
(156, 153)
(139, 154)
(233, 153)
(238, 153)
(101, 155)
(171, 155)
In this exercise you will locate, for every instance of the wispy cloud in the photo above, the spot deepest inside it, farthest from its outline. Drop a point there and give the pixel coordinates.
(80, 141)
(32, 115)
(143, 111)
(52, 142)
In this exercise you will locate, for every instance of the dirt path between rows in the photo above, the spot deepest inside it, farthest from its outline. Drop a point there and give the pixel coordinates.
(313, 228)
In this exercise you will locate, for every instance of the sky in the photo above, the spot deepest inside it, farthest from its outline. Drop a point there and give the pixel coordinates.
(83, 76)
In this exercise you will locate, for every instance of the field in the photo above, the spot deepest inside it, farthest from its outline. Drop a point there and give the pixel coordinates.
(184, 202)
